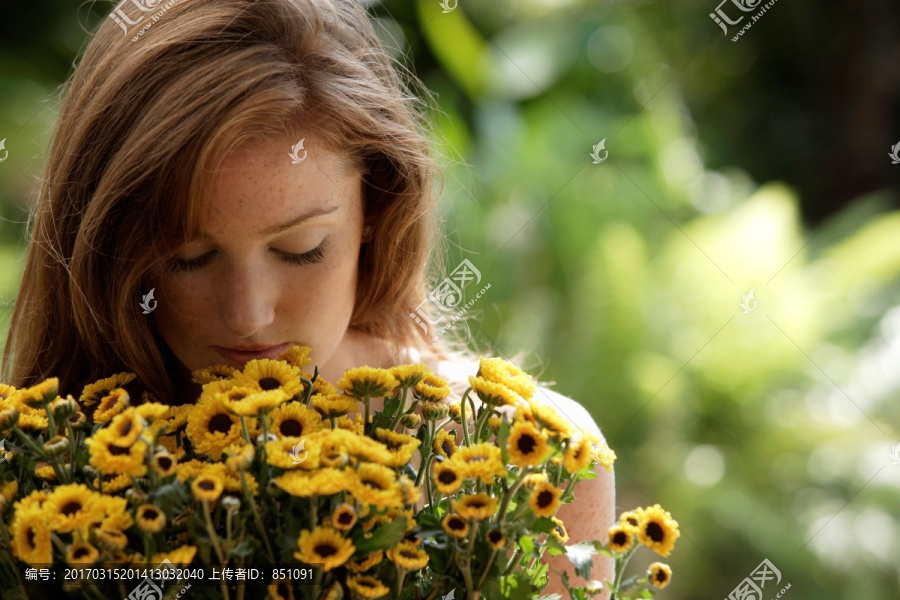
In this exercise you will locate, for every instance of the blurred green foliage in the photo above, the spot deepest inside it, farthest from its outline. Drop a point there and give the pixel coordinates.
(767, 434)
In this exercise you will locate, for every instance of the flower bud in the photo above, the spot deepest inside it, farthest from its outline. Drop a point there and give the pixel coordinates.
(435, 411)
(231, 503)
(40, 395)
(91, 472)
(263, 438)
(78, 420)
(135, 496)
(56, 445)
(63, 408)
(8, 419)
(410, 421)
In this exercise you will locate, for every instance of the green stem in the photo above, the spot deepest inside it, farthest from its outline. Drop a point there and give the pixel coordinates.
(462, 416)
(400, 411)
(213, 536)
(262, 530)
(487, 568)
(514, 561)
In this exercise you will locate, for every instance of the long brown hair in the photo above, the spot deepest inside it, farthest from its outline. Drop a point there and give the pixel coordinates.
(145, 122)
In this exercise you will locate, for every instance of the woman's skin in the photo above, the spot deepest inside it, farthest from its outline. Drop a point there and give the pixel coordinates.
(244, 293)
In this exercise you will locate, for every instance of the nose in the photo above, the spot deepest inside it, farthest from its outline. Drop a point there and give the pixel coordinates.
(247, 299)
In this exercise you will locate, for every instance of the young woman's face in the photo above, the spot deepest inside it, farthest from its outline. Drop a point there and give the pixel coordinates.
(277, 265)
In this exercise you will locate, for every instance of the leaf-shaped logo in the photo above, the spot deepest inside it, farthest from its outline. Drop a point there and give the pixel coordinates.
(748, 303)
(895, 153)
(445, 4)
(895, 454)
(596, 153)
(5, 151)
(297, 450)
(145, 304)
(295, 153)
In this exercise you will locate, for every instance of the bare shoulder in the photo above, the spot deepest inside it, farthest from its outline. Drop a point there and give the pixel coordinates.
(571, 409)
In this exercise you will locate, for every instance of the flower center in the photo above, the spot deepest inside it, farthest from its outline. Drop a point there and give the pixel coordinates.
(269, 383)
(220, 423)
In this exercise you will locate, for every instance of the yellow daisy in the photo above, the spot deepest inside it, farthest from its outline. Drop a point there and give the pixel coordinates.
(658, 530)
(39, 395)
(408, 556)
(296, 356)
(363, 382)
(620, 539)
(150, 518)
(507, 374)
(550, 419)
(213, 373)
(247, 402)
(324, 546)
(113, 484)
(164, 464)
(431, 388)
(603, 455)
(497, 540)
(70, 506)
(659, 575)
(333, 405)
(527, 445)
(31, 537)
(95, 392)
(559, 531)
(409, 375)
(367, 586)
(112, 539)
(267, 374)
(544, 499)
(377, 484)
(445, 444)
(359, 566)
(631, 520)
(321, 482)
(455, 525)
(447, 477)
(112, 404)
(294, 419)
(480, 461)
(207, 486)
(124, 429)
(180, 556)
(476, 507)
(110, 459)
(401, 446)
(211, 426)
(343, 517)
(578, 454)
(493, 393)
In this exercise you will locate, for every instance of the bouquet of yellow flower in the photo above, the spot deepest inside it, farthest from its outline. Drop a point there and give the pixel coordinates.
(266, 486)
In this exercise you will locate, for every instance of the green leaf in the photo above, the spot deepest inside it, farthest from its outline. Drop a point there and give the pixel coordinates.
(384, 537)
(527, 544)
(245, 548)
(457, 45)
(502, 436)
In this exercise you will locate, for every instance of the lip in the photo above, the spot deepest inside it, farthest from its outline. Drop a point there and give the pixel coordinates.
(241, 356)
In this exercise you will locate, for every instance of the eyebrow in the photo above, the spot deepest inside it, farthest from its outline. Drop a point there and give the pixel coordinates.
(276, 229)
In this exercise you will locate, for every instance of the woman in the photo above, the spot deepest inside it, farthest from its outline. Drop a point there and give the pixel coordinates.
(228, 178)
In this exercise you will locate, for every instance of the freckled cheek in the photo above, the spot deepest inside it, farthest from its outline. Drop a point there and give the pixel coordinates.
(184, 307)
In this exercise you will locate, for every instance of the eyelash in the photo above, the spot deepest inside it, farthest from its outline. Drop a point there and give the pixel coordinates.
(313, 256)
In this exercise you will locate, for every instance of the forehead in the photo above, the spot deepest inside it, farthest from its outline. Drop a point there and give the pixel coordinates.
(260, 186)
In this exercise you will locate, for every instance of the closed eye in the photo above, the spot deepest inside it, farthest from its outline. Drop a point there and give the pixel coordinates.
(315, 255)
